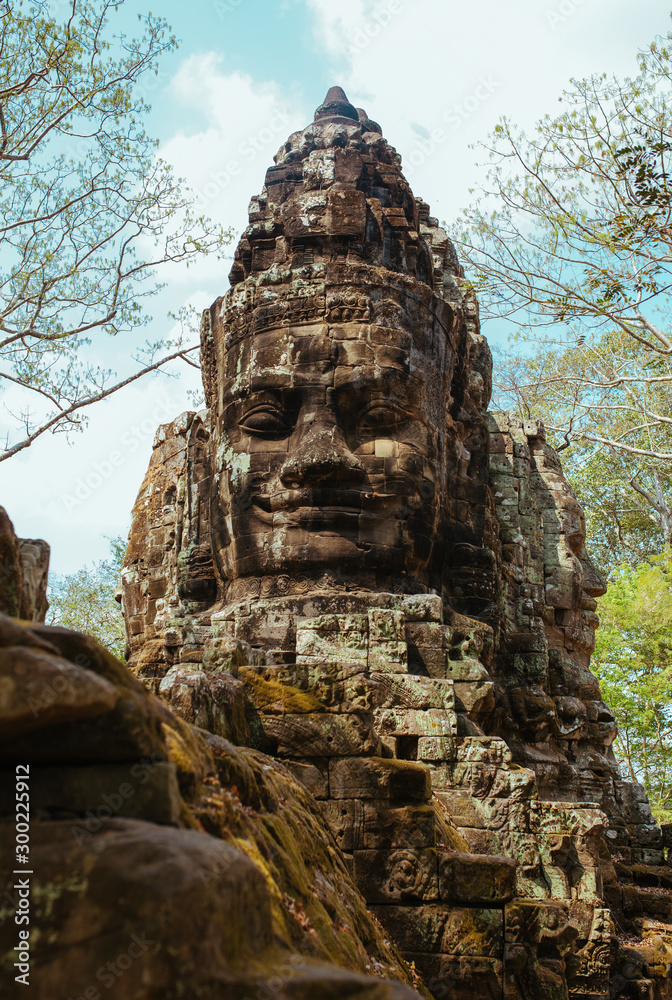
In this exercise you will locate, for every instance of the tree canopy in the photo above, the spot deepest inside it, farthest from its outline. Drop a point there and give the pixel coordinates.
(88, 210)
(85, 600)
(627, 497)
(570, 238)
(633, 660)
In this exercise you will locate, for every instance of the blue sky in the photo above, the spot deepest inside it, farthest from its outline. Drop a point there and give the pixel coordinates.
(436, 74)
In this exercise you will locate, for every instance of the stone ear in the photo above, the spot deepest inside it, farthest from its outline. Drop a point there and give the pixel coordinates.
(208, 355)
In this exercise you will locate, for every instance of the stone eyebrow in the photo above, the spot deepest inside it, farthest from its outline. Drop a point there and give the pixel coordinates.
(242, 387)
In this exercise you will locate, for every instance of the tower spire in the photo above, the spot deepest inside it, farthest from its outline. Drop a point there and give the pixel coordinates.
(336, 107)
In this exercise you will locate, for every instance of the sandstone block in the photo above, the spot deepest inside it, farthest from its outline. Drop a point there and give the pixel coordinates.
(476, 697)
(188, 905)
(330, 682)
(126, 731)
(319, 735)
(463, 977)
(404, 826)
(39, 690)
(227, 653)
(379, 778)
(417, 927)
(466, 669)
(474, 932)
(345, 818)
(437, 748)
(412, 722)
(146, 789)
(464, 809)
(427, 660)
(482, 841)
(386, 625)
(439, 930)
(429, 634)
(313, 774)
(396, 875)
(473, 878)
(423, 607)
(342, 638)
(266, 694)
(388, 657)
(648, 856)
(483, 749)
(413, 691)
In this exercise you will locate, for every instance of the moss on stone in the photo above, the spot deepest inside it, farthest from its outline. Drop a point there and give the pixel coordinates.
(265, 692)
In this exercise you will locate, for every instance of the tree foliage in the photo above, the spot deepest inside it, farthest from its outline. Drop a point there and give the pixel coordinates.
(627, 497)
(88, 210)
(571, 238)
(633, 660)
(85, 601)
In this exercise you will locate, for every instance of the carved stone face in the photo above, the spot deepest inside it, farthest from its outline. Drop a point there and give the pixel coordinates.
(332, 456)
(572, 581)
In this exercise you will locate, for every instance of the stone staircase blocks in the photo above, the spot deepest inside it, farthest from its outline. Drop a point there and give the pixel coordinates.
(388, 826)
(414, 722)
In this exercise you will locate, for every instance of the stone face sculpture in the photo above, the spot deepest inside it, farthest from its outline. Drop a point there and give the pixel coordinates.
(343, 449)
(346, 562)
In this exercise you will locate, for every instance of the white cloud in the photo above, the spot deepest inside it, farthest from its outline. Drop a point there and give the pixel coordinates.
(244, 122)
(337, 24)
(73, 495)
(439, 75)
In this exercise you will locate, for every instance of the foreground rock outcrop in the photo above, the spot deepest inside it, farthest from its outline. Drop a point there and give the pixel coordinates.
(164, 861)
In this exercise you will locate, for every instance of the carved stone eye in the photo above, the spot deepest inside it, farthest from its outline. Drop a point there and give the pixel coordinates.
(265, 421)
(381, 418)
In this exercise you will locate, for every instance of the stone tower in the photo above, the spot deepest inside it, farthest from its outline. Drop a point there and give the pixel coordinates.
(345, 561)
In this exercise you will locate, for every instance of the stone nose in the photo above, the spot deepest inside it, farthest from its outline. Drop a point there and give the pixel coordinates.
(593, 583)
(322, 456)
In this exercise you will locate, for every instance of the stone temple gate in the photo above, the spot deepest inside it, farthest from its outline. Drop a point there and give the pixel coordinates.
(346, 563)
